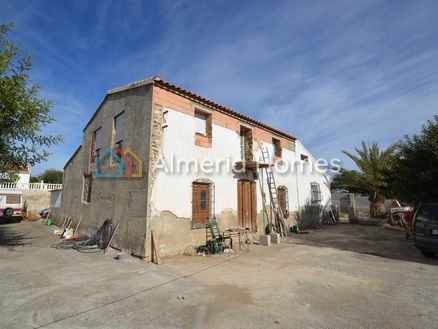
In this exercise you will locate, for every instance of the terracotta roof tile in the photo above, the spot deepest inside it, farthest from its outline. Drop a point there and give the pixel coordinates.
(172, 87)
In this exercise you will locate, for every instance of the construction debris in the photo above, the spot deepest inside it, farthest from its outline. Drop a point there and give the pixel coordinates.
(100, 241)
(265, 240)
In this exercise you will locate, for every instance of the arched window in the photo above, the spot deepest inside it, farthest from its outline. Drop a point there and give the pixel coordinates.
(202, 202)
(283, 200)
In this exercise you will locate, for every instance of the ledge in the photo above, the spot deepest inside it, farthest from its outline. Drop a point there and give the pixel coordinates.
(202, 140)
(251, 165)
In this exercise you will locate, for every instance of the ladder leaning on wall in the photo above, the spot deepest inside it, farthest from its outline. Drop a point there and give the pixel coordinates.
(280, 225)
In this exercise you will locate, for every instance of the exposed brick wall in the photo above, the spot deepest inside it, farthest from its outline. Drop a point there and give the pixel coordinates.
(284, 143)
(179, 103)
(261, 135)
(226, 121)
(173, 101)
(202, 140)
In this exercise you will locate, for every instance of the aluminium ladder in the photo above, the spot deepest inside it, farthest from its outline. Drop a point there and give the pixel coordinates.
(272, 187)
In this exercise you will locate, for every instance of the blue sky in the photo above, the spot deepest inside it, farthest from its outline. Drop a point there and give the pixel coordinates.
(332, 73)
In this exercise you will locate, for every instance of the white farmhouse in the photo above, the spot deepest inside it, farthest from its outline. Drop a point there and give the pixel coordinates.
(157, 157)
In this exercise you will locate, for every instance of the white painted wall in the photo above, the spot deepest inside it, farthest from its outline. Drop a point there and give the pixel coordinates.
(173, 191)
(23, 178)
(297, 180)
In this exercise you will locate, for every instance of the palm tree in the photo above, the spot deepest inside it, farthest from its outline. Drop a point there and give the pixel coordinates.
(372, 164)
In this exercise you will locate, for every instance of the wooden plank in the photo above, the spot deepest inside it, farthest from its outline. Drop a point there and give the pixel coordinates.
(63, 222)
(254, 207)
(247, 208)
(111, 238)
(155, 254)
(239, 204)
(69, 223)
(79, 222)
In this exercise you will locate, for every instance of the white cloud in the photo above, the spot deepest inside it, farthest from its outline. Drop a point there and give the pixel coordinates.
(333, 75)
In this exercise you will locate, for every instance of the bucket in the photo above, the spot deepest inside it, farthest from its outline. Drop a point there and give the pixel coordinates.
(295, 229)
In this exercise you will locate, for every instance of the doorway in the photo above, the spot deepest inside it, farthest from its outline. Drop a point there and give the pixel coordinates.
(246, 204)
(246, 143)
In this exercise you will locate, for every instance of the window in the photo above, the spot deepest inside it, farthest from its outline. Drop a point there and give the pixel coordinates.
(95, 147)
(119, 130)
(200, 123)
(428, 213)
(203, 130)
(277, 147)
(246, 144)
(13, 199)
(202, 202)
(86, 187)
(315, 193)
(304, 158)
(283, 200)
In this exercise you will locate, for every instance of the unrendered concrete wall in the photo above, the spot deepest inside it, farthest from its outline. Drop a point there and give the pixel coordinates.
(55, 199)
(72, 189)
(36, 200)
(122, 199)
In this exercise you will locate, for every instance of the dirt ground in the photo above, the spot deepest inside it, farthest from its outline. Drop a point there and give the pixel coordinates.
(343, 276)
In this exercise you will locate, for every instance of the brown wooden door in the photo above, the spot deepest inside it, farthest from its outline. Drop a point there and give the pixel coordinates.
(246, 204)
(201, 204)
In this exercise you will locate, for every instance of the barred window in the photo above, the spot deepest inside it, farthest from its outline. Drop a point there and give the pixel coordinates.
(315, 191)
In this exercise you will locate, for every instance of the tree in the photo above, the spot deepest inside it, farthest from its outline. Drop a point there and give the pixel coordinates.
(344, 179)
(414, 176)
(51, 176)
(23, 113)
(373, 164)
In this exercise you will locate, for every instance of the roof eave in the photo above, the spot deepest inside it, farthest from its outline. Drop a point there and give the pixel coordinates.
(188, 94)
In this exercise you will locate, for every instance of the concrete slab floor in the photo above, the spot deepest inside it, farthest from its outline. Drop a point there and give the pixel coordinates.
(344, 276)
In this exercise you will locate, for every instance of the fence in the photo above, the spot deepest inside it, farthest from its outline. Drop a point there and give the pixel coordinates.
(30, 186)
(361, 204)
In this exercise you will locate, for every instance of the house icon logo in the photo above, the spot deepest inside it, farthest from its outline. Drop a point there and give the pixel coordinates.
(125, 160)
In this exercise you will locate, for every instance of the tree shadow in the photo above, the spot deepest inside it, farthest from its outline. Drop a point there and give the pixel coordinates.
(11, 238)
(371, 240)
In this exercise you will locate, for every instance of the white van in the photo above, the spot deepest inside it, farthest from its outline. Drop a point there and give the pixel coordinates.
(11, 204)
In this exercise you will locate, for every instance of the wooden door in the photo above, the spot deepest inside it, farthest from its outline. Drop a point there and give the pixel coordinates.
(246, 204)
(201, 204)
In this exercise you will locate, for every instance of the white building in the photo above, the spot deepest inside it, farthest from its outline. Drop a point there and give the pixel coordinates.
(23, 176)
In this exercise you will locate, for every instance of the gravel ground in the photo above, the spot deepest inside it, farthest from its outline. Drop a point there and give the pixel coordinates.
(343, 276)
